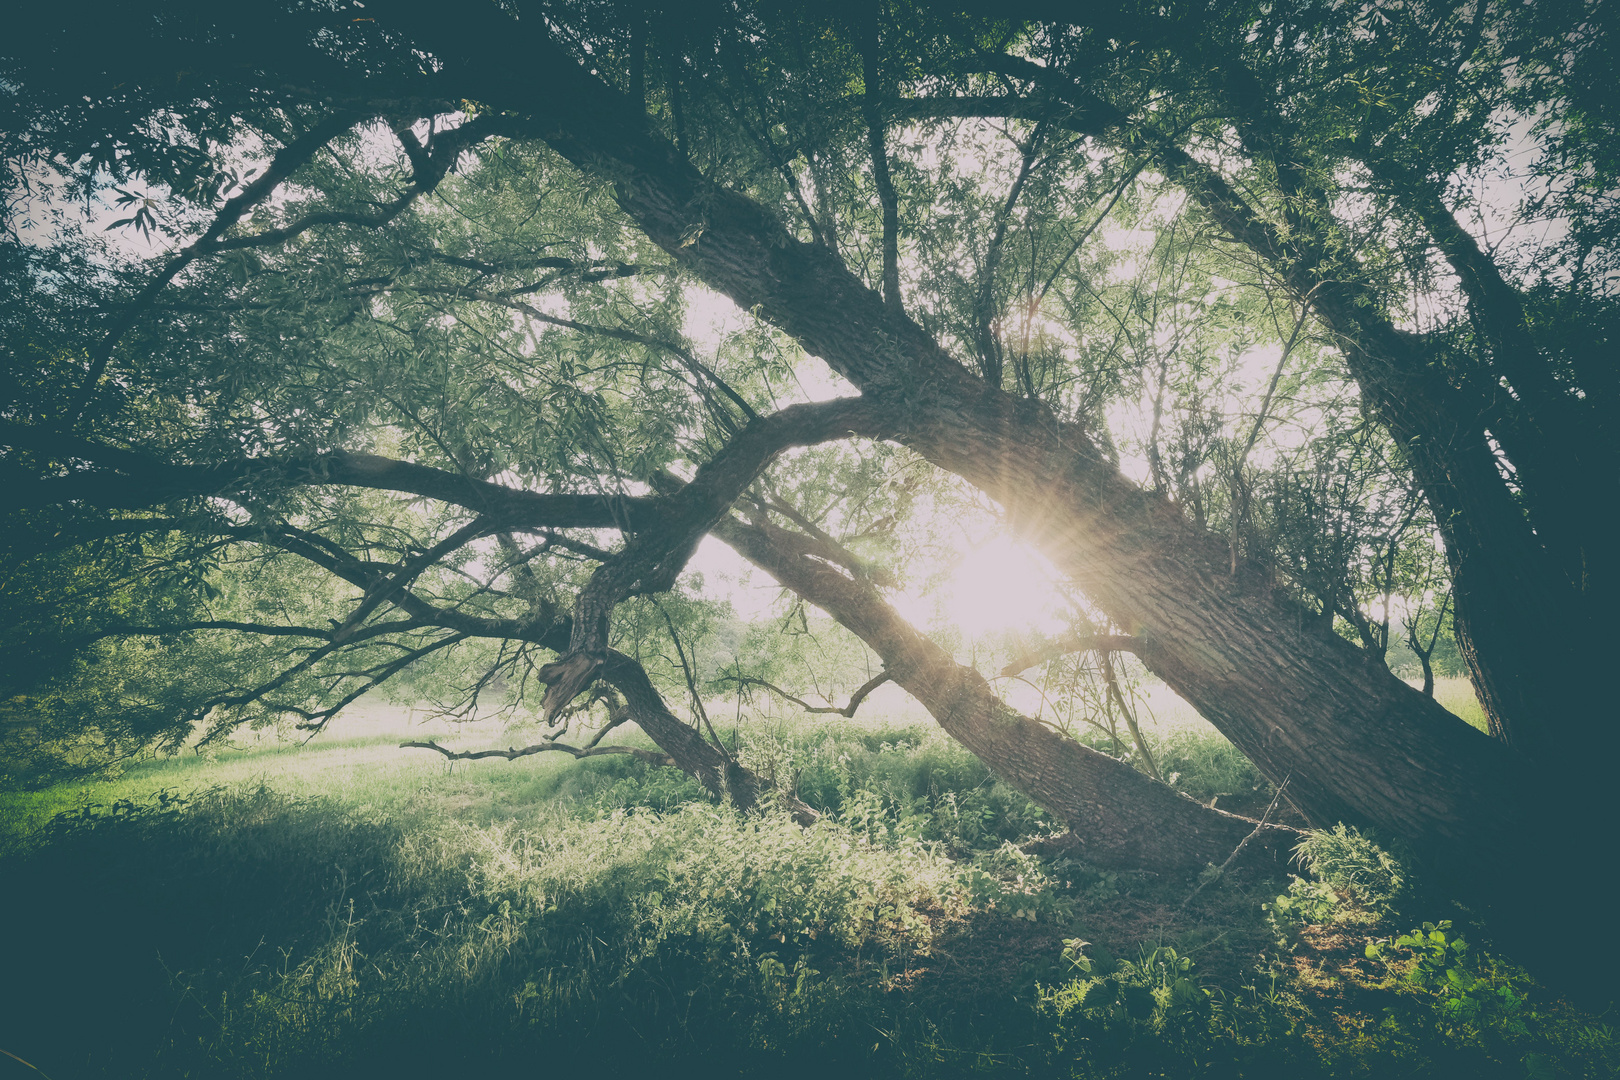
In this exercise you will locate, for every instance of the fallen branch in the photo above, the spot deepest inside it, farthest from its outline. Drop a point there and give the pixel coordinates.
(513, 753)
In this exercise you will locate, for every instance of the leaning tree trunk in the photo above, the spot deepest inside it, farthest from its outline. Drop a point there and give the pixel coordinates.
(1533, 577)
(1117, 816)
(1531, 558)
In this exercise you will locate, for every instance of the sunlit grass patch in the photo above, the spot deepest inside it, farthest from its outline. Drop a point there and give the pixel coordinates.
(1458, 696)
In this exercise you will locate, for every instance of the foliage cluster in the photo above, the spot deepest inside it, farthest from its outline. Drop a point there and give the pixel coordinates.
(1424, 1003)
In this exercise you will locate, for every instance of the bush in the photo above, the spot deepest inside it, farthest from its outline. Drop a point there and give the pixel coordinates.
(1353, 879)
(1152, 1017)
(1356, 865)
(899, 781)
(248, 933)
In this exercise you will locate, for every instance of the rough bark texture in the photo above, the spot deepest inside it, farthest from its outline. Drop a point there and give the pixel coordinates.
(1118, 817)
(1535, 583)
(1532, 592)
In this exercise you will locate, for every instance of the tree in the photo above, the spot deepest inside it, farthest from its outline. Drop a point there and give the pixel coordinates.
(787, 159)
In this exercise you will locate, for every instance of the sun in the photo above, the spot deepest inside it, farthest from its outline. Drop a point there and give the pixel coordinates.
(1001, 584)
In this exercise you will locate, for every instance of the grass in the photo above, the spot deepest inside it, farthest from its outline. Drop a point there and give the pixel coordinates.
(1458, 696)
(351, 909)
(365, 770)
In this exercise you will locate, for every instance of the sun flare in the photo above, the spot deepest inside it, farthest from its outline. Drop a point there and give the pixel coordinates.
(1001, 585)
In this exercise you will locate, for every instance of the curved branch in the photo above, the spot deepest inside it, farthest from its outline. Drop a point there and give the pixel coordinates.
(591, 271)
(652, 561)
(692, 364)
(847, 711)
(1073, 643)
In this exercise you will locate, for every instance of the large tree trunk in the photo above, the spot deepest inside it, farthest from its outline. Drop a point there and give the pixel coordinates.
(1118, 817)
(1534, 583)
(1532, 558)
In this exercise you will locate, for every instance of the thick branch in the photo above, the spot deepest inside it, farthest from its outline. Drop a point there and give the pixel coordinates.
(1120, 816)
(651, 561)
(688, 750)
(127, 479)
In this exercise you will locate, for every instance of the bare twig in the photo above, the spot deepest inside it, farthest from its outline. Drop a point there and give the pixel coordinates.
(691, 679)
(875, 134)
(1258, 828)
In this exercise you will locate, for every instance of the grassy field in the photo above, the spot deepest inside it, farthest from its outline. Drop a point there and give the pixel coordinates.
(348, 908)
(360, 763)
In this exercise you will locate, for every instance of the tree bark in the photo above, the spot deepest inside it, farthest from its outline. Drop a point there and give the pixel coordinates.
(1533, 592)
(694, 755)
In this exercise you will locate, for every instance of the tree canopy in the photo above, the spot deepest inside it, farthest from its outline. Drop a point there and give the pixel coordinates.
(349, 344)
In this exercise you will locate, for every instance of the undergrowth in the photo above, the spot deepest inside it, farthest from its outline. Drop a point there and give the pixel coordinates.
(626, 925)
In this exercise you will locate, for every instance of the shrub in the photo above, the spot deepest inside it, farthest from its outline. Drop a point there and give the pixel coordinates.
(1358, 868)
